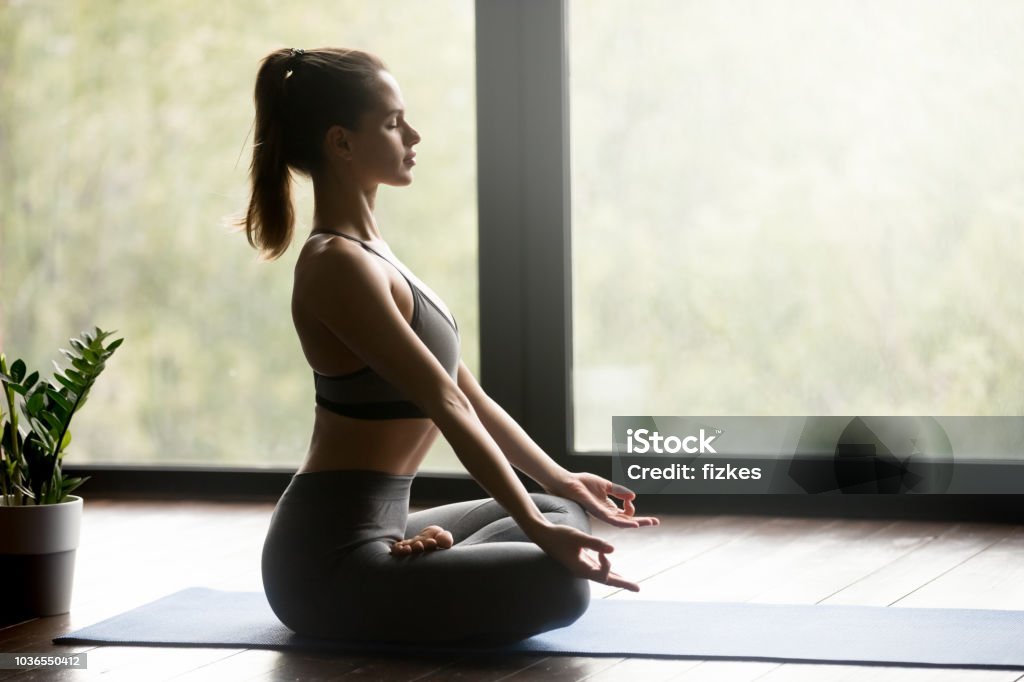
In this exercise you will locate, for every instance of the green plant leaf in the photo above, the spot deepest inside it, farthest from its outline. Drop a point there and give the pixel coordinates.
(40, 465)
(18, 370)
(60, 400)
(66, 442)
(8, 438)
(82, 365)
(41, 431)
(35, 403)
(113, 346)
(78, 377)
(55, 423)
(70, 385)
(31, 380)
(70, 484)
(91, 356)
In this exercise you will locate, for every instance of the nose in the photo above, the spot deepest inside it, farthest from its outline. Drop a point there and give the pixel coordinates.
(412, 137)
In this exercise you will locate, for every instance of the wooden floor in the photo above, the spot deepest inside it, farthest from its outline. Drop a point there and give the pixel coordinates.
(134, 552)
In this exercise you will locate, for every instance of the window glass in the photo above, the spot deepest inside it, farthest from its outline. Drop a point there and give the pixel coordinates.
(124, 152)
(796, 208)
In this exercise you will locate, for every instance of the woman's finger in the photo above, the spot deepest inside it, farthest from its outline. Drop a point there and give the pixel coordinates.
(597, 544)
(616, 580)
(625, 518)
(619, 520)
(621, 492)
(606, 576)
(592, 564)
(606, 566)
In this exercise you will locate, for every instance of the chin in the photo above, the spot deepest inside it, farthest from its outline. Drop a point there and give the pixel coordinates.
(402, 180)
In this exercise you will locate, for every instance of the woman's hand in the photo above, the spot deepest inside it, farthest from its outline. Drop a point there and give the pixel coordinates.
(569, 546)
(430, 538)
(595, 493)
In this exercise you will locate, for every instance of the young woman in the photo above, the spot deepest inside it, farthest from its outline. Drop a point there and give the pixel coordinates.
(343, 557)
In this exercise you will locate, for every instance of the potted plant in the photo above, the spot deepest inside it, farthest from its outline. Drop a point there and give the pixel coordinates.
(39, 518)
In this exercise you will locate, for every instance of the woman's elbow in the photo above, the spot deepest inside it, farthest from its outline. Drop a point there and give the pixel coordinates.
(454, 399)
(449, 405)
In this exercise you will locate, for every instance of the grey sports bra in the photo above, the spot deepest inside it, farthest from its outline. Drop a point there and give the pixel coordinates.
(365, 394)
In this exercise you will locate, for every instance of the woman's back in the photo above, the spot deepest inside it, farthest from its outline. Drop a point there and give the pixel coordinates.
(345, 437)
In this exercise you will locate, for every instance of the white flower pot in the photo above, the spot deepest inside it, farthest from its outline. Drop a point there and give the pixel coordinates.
(37, 558)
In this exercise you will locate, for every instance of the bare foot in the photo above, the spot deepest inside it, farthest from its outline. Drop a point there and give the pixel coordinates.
(430, 538)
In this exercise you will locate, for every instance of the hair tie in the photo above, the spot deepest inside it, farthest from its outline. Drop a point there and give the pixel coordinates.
(297, 51)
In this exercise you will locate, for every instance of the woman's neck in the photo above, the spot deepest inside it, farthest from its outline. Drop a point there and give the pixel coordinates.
(345, 209)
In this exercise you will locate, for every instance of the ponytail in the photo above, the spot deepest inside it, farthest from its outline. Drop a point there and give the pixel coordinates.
(269, 222)
(299, 95)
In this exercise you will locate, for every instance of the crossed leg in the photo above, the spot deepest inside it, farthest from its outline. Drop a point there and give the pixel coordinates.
(477, 521)
(502, 584)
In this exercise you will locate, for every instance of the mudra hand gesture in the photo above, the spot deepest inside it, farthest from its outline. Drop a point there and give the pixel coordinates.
(567, 545)
(595, 493)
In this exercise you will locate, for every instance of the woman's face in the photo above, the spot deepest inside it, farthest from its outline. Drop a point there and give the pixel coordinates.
(381, 150)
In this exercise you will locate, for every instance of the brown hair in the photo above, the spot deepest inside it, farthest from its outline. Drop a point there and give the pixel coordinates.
(299, 95)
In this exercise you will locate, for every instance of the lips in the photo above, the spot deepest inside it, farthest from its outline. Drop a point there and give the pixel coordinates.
(409, 159)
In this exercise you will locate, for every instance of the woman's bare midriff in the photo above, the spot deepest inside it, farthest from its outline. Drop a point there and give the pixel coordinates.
(395, 446)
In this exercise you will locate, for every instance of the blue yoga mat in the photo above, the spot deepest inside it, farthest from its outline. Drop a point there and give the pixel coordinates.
(980, 638)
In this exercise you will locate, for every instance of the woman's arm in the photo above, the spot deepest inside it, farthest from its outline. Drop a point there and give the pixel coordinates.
(517, 446)
(590, 490)
(351, 296)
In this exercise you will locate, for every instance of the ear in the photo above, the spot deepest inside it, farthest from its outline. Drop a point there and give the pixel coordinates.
(338, 143)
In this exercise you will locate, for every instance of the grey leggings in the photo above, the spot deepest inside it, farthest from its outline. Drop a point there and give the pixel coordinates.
(328, 570)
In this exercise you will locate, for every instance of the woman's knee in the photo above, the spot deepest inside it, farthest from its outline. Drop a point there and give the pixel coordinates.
(562, 510)
(579, 599)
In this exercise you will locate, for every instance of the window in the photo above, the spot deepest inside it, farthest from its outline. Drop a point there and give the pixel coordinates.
(124, 149)
(805, 208)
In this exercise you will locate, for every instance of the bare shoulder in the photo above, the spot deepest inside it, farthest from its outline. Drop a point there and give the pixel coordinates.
(328, 254)
(329, 267)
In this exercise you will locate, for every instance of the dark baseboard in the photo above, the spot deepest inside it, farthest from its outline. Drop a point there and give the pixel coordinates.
(266, 485)
(163, 482)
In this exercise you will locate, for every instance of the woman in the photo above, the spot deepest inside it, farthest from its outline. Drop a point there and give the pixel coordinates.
(343, 557)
